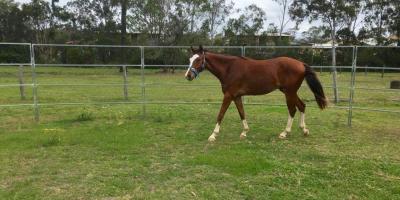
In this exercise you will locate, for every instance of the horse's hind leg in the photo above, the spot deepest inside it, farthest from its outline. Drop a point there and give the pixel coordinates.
(291, 100)
(302, 108)
(239, 106)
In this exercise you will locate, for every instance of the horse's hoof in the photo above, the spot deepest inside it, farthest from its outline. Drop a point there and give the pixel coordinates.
(243, 136)
(282, 135)
(306, 132)
(212, 138)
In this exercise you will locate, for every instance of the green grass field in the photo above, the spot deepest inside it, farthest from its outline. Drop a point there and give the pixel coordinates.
(111, 152)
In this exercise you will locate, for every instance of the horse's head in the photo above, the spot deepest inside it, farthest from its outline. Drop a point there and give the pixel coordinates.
(197, 63)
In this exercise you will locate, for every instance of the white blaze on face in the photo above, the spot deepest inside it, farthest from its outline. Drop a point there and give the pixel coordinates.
(191, 60)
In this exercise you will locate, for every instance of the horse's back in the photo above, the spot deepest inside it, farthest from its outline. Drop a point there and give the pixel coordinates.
(279, 66)
(278, 63)
(290, 64)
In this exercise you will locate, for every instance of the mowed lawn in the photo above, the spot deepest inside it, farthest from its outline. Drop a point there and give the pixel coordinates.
(112, 152)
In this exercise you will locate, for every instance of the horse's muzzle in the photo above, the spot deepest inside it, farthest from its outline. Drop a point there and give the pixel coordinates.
(189, 78)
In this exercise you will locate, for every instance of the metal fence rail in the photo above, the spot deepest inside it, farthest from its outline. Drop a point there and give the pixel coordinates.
(143, 65)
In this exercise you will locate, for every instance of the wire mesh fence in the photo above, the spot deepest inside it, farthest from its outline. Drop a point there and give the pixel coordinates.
(109, 74)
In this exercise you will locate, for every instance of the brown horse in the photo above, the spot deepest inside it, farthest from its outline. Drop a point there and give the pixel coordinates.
(241, 76)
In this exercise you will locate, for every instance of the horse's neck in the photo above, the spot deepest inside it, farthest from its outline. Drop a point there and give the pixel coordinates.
(218, 65)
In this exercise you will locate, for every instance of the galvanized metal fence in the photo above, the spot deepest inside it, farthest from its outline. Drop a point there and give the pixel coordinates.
(350, 54)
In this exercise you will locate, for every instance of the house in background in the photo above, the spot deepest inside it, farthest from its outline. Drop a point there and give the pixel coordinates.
(265, 39)
(327, 44)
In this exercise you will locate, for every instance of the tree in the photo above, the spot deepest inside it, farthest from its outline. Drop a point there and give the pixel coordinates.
(94, 20)
(194, 14)
(169, 21)
(150, 17)
(315, 34)
(124, 7)
(283, 12)
(331, 12)
(347, 34)
(248, 24)
(272, 28)
(83, 17)
(194, 10)
(382, 17)
(38, 15)
(106, 14)
(377, 19)
(216, 11)
(12, 23)
(394, 23)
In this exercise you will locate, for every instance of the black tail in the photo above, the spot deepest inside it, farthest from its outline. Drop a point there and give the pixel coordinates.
(315, 86)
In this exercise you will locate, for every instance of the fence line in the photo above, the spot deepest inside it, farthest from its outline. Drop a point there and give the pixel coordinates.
(143, 101)
(352, 82)
(34, 92)
(85, 65)
(15, 64)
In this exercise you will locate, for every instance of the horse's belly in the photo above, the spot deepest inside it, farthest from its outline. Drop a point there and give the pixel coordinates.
(260, 87)
(261, 91)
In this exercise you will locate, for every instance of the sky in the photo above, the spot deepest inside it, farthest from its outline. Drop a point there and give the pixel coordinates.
(272, 11)
(271, 8)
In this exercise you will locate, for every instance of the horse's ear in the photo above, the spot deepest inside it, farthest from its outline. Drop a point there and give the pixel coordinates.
(201, 48)
(192, 50)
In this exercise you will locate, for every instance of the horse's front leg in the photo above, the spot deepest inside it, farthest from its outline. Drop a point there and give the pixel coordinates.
(225, 105)
(239, 106)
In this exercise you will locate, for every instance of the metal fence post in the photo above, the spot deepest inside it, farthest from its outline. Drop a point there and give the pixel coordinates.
(143, 81)
(34, 92)
(243, 54)
(21, 82)
(383, 71)
(125, 82)
(334, 75)
(352, 85)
